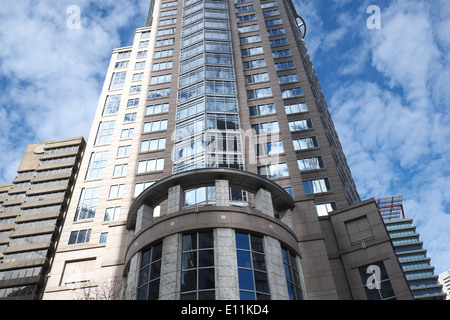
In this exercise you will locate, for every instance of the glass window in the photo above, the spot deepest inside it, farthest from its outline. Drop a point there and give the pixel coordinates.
(272, 171)
(97, 165)
(87, 204)
(300, 125)
(118, 80)
(112, 104)
(292, 93)
(314, 163)
(282, 53)
(252, 272)
(150, 273)
(151, 165)
(262, 110)
(197, 266)
(292, 273)
(305, 143)
(325, 208)
(269, 148)
(116, 191)
(259, 93)
(112, 214)
(105, 132)
(317, 186)
(81, 236)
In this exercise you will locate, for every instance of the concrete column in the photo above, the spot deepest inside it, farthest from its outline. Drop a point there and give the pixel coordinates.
(168, 289)
(227, 281)
(263, 202)
(222, 193)
(286, 218)
(175, 199)
(144, 217)
(132, 279)
(275, 269)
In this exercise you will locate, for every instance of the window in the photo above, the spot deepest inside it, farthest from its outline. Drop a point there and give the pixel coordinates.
(271, 13)
(164, 42)
(305, 143)
(252, 27)
(165, 22)
(276, 32)
(103, 237)
(157, 109)
(169, 4)
(197, 266)
(153, 126)
(127, 134)
(278, 42)
(254, 64)
(162, 65)
(257, 77)
(165, 32)
(222, 121)
(153, 145)
(262, 110)
(168, 12)
(376, 282)
(159, 93)
(120, 170)
(250, 39)
(325, 208)
(282, 53)
(97, 165)
(252, 272)
(245, 18)
(133, 103)
(160, 79)
(311, 164)
(259, 93)
(198, 196)
(252, 51)
(284, 65)
(124, 54)
(317, 186)
(245, 8)
(145, 34)
(265, 128)
(273, 22)
(141, 186)
(300, 125)
(269, 148)
(138, 76)
(123, 151)
(112, 104)
(81, 236)
(105, 132)
(163, 53)
(116, 191)
(87, 204)
(288, 78)
(118, 80)
(220, 87)
(268, 5)
(292, 273)
(151, 165)
(143, 44)
(112, 214)
(150, 273)
(129, 117)
(296, 108)
(272, 171)
(292, 93)
(122, 64)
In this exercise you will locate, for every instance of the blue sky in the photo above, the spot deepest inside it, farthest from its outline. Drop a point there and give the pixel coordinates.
(387, 89)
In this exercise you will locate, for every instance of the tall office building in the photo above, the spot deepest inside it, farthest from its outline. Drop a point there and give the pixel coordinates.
(410, 251)
(213, 171)
(32, 211)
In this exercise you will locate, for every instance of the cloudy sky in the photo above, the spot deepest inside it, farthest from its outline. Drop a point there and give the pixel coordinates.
(387, 89)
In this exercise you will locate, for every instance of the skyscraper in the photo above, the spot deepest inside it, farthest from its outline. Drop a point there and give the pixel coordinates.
(32, 210)
(213, 170)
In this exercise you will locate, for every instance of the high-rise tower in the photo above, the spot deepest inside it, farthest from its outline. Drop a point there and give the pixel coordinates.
(213, 170)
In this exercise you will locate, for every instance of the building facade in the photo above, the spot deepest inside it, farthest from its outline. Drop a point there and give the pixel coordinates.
(444, 279)
(213, 171)
(410, 251)
(32, 212)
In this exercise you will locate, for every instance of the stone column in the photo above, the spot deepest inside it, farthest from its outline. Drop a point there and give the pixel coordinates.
(175, 199)
(227, 281)
(263, 202)
(222, 193)
(169, 289)
(286, 218)
(132, 279)
(144, 217)
(275, 269)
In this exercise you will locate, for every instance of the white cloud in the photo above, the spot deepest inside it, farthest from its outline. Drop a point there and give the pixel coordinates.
(53, 75)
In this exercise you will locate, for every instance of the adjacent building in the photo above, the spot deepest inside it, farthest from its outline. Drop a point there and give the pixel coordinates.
(410, 251)
(444, 279)
(32, 212)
